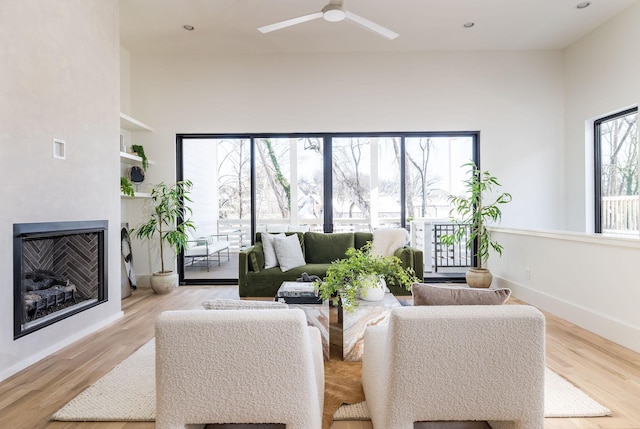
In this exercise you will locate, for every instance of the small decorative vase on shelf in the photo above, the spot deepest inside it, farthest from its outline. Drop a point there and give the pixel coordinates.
(479, 277)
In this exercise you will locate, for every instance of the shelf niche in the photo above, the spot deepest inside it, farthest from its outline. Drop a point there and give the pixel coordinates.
(128, 123)
(129, 158)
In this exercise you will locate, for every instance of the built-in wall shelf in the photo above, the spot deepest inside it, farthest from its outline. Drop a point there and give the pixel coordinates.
(137, 195)
(128, 123)
(129, 158)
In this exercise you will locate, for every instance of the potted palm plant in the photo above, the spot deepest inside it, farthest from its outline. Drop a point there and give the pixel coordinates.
(473, 210)
(169, 222)
(364, 275)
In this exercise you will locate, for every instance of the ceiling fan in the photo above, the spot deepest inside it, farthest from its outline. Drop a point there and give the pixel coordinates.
(333, 12)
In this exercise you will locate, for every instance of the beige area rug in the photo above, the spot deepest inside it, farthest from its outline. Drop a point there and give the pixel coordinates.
(127, 393)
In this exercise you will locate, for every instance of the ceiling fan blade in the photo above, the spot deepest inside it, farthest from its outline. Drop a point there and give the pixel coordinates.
(289, 22)
(372, 26)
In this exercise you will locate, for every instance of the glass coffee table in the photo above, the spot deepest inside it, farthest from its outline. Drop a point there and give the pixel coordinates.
(367, 313)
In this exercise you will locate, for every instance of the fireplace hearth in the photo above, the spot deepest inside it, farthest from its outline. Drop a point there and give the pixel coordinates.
(59, 271)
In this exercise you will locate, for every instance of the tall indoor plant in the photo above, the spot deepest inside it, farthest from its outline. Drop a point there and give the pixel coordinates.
(473, 210)
(361, 275)
(168, 221)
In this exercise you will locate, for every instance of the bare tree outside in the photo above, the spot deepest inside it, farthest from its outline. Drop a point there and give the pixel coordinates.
(278, 182)
(619, 146)
(273, 180)
(351, 177)
(234, 169)
(431, 164)
(618, 139)
(418, 155)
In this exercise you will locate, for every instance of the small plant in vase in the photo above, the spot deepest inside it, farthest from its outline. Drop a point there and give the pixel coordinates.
(362, 274)
(139, 150)
(474, 211)
(169, 222)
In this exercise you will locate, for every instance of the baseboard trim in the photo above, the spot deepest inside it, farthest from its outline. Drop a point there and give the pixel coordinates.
(614, 330)
(12, 370)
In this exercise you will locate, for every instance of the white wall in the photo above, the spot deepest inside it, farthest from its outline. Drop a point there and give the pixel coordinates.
(59, 79)
(602, 76)
(516, 100)
(586, 279)
(125, 81)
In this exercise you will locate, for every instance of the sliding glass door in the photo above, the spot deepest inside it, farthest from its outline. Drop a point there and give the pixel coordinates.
(289, 184)
(322, 182)
(220, 169)
(433, 172)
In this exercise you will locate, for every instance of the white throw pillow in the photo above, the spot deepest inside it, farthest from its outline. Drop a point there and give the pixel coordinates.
(270, 258)
(386, 241)
(289, 252)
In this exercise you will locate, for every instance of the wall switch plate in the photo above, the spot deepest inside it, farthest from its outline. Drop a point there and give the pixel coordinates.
(527, 273)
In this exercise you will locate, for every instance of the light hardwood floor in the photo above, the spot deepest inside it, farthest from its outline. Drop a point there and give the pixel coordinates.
(606, 371)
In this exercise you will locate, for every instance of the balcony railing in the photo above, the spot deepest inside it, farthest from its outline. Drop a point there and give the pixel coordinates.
(439, 258)
(620, 214)
(424, 233)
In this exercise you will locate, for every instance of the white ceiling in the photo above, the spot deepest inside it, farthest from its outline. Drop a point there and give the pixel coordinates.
(230, 26)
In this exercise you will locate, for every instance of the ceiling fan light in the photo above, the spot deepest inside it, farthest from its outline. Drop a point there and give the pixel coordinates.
(333, 13)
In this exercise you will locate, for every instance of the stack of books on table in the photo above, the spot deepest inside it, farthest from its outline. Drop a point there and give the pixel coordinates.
(297, 293)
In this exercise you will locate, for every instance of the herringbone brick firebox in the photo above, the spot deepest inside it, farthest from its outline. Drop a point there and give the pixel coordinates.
(58, 271)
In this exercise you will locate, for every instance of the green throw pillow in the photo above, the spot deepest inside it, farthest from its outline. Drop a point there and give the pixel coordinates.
(325, 248)
(254, 262)
(361, 238)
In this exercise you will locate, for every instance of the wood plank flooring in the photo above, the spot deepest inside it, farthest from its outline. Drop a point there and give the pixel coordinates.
(606, 371)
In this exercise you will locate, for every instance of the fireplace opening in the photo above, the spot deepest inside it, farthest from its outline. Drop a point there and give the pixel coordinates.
(59, 271)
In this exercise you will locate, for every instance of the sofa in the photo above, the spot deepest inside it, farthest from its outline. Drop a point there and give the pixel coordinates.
(319, 250)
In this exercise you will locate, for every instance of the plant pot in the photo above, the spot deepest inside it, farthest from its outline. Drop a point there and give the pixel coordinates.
(163, 283)
(375, 290)
(479, 277)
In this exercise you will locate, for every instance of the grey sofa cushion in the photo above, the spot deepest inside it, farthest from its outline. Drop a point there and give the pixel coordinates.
(426, 294)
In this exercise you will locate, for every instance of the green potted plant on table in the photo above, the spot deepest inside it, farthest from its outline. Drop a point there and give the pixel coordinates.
(363, 274)
(169, 222)
(473, 210)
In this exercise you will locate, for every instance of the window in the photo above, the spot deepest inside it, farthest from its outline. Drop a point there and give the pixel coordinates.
(289, 184)
(616, 173)
(327, 182)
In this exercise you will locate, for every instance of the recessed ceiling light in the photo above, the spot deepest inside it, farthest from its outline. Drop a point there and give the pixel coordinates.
(189, 27)
(469, 24)
(583, 4)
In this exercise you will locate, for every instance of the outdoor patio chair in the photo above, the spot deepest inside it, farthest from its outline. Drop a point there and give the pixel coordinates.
(207, 249)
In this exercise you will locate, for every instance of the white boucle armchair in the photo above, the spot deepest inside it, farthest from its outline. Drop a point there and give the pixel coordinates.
(238, 366)
(456, 363)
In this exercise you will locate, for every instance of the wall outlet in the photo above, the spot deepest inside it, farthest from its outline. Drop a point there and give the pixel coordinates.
(527, 273)
(59, 150)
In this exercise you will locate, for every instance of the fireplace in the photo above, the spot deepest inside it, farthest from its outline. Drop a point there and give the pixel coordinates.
(58, 271)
